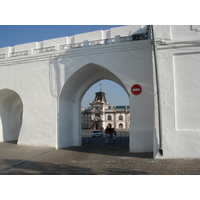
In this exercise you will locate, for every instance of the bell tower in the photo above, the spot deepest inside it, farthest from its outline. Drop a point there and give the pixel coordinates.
(98, 107)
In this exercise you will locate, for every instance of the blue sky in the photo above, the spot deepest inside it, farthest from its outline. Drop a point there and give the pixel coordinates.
(115, 94)
(20, 34)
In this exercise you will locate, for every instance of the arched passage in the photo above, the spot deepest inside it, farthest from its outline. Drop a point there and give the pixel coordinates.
(69, 104)
(103, 103)
(11, 109)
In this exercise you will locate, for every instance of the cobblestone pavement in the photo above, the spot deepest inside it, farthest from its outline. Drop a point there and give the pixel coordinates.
(95, 157)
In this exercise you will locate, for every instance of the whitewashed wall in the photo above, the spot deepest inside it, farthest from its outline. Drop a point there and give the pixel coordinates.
(52, 81)
(178, 56)
(30, 80)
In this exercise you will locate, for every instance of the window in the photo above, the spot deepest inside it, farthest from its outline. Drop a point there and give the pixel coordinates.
(120, 117)
(109, 118)
(120, 126)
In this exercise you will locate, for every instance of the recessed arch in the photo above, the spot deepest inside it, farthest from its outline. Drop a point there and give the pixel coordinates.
(69, 126)
(77, 85)
(11, 111)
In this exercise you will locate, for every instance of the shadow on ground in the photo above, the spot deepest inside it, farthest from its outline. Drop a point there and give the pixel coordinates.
(41, 168)
(94, 157)
(119, 148)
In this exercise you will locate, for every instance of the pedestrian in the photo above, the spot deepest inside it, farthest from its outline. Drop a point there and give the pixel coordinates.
(107, 135)
(114, 136)
(101, 131)
(110, 130)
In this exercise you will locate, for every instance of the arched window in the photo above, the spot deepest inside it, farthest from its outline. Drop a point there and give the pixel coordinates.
(120, 126)
(120, 117)
(109, 118)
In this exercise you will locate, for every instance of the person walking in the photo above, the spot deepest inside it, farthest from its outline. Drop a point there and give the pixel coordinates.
(107, 135)
(110, 130)
(102, 133)
(114, 136)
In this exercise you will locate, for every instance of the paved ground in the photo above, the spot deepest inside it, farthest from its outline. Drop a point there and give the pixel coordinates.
(94, 157)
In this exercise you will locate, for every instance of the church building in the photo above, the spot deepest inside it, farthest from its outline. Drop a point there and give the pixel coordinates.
(100, 114)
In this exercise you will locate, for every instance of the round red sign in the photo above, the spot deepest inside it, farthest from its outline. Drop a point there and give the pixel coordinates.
(136, 89)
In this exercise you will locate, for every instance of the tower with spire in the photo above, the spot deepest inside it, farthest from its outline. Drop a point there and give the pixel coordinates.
(98, 107)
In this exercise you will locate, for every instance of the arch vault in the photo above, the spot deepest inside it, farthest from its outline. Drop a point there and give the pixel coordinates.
(11, 109)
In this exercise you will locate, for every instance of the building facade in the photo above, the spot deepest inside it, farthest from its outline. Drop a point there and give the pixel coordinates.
(100, 114)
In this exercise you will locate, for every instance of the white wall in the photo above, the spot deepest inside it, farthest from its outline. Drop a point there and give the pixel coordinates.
(52, 84)
(178, 69)
(30, 80)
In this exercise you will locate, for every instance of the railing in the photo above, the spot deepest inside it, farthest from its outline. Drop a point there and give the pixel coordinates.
(124, 134)
(44, 50)
(96, 42)
(100, 42)
(65, 46)
(87, 43)
(69, 46)
(19, 53)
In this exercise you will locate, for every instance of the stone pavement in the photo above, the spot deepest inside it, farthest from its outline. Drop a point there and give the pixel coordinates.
(94, 157)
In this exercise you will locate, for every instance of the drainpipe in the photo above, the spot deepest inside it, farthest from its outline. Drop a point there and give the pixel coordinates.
(158, 93)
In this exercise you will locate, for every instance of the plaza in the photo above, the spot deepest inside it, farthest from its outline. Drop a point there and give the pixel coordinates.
(94, 157)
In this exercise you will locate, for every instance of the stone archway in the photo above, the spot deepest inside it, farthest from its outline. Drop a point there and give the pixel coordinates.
(11, 111)
(69, 104)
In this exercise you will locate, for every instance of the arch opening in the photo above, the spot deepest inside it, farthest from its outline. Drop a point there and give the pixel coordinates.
(109, 107)
(69, 126)
(11, 114)
(101, 106)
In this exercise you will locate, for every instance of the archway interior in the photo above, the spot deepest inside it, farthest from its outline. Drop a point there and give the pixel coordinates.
(11, 110)
(98, 112)
(116, 103)
(69, 121)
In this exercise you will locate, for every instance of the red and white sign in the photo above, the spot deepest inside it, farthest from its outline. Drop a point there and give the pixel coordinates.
(136, 89)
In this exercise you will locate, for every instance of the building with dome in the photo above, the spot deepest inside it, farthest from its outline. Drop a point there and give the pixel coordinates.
(101, 114)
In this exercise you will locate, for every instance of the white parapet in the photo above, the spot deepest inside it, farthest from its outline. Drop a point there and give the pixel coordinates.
(68, 42)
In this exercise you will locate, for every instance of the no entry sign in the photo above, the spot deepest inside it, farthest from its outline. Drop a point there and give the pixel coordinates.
(136, 89)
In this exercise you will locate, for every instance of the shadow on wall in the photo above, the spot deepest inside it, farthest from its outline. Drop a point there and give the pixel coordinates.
(11, 109)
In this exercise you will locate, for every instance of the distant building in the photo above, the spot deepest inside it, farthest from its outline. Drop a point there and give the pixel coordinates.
(100, 114)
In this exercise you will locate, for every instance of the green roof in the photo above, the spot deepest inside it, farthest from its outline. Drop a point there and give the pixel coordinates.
(119, 107)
